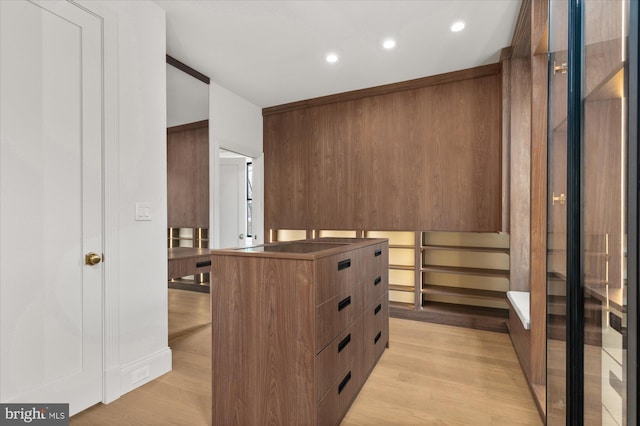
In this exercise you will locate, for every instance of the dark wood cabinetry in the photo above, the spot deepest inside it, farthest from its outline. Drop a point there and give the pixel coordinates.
(188, 175)
(297, 328)
(426, 155)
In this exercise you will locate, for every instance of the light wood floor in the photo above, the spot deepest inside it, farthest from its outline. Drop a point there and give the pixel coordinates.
(431, 375)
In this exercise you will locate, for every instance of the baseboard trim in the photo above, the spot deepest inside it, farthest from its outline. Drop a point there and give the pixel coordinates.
(143, 371)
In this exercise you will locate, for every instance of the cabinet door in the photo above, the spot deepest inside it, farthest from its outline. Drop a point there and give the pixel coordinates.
(557, 214)
(604, 191)
(588, 170)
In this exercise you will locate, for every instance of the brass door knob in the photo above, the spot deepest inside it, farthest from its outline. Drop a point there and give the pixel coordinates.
(92, 258)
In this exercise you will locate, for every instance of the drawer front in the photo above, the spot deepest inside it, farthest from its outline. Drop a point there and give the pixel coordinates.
(337, 356)
(375, 260)
(335, 403)
(348, 388)
(613, 386)
(334, 273)
(191, 266)
(328, 409)
(612, 339)
(375, 278)
(336, 314)
(375, 288)
(376, 332)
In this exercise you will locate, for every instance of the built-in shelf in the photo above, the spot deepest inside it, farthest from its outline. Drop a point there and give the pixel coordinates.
(457, 278)
(402, 266)
(397, 287)
(490, 319)
(543, 41)
(187, 237)
(465, 270)
(276, 235)
(468, 271)
(612, 87)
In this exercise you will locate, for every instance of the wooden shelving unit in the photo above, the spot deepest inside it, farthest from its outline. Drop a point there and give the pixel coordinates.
(189, 238)
(402, 267)
(467, 272)
(456, 278)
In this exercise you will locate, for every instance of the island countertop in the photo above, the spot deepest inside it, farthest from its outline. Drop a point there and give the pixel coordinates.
(302, 249)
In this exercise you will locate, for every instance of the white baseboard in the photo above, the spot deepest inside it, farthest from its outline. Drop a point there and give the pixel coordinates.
(112, 388)
(145, 370)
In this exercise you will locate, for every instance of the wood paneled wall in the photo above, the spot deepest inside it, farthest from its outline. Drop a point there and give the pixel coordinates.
(188, 175)
(520, 164)
(427, 158)
(527, 138)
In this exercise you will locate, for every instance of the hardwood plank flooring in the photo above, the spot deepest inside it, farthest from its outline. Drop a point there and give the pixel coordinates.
(436, 374)
(188, 310)
(431, 375)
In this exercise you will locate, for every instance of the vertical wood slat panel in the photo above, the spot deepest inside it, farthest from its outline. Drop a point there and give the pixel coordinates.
(538, 243)
(426, 158)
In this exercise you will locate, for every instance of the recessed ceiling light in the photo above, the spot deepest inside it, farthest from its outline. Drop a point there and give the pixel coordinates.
(389, 44)
(457, 26)
(332, 58)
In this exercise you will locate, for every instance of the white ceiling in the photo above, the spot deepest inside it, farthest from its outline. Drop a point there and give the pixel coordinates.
(273, 52)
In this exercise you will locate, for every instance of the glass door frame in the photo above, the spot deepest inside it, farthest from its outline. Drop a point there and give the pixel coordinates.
(575, 289)
(633, 214)
(575, 286)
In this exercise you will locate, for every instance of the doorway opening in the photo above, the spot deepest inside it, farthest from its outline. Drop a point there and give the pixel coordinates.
(236, 200)
(188, 195)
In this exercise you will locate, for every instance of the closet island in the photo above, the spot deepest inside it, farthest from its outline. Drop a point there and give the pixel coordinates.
(297, 328)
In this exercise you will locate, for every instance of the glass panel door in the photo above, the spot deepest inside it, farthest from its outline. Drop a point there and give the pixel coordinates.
(587, 139)
(557, 214)
(604, 222)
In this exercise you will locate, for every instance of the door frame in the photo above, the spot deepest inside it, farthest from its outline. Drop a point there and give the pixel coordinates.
(215, 148)
(633, 216)
(239, 165)
(575, 291)
(111, 371)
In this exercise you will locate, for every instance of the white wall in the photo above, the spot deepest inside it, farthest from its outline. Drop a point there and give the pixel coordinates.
(140, 255)
(235, 125)
(187, 98)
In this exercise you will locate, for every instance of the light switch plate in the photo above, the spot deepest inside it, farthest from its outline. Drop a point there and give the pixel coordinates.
(143, 211)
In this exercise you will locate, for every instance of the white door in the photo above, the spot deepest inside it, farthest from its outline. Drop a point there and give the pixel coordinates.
(50, 204)
(233, 201)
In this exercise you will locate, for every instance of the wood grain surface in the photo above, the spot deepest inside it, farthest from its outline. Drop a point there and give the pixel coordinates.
(188, 176)
(263, 311)
(426, 158)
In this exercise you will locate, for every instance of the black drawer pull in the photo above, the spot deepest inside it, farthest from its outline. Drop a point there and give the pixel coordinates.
(616, 384)
(378, 336)
(344, 303)
(203, 263)
(344, 382)
(375, 312)
(616, 323)
(344, 264)
(378, 252)
(377, 281)
(344, 343)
